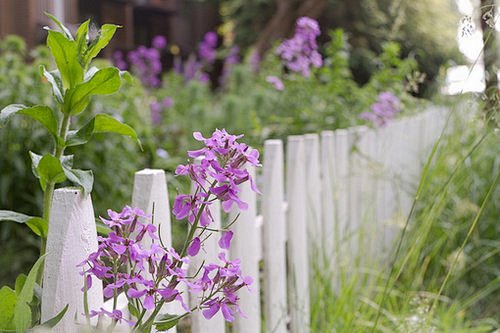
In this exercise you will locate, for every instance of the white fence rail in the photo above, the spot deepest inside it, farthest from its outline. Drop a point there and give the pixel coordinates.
(342, 187)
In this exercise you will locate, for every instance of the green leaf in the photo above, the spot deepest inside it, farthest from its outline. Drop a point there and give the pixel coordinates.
(39, 226)
(102, 229)
(20, 281)
(50, 170)
(126, 76)
(133, 310)
(54, 78)
(105, 81)
(41, 113)
(82, 37)
(105, 34)
(35, 160)
(8, 300)
(7, 215)
(166, 321)
(83, 178)
(65, 30)
(65, 53)
(55, 320)
(22, 312)
(101, 123)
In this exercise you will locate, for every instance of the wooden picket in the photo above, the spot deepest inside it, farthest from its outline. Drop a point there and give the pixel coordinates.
(72, 237)
(274, 238)
(343, 188)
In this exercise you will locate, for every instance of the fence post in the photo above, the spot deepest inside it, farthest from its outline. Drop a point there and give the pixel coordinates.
(298, 263)
(274, 238)
(342, 200)
(328, 184)
(367, 154)
(313, 191)
(150, 193)
(72, 237)
(245, 246)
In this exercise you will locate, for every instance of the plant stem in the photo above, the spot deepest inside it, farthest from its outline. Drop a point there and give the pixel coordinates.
(48, 193)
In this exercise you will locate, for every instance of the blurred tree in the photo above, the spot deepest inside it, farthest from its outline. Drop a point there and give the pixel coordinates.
(426, 29)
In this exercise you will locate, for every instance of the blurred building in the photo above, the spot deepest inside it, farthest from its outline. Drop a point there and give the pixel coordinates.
(183, 22)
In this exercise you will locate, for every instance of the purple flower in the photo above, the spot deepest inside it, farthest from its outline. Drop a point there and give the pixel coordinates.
(225, 240)
(194, 248)
(383, 110)
(159, 42)
(146, 63)
(300, 53)
(231, 60)
(207, 47)
(276, 82)
(116, 315)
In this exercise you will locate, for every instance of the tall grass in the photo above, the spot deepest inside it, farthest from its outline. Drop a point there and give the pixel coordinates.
(446, 274)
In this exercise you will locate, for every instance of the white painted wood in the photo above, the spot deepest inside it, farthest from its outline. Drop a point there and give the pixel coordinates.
(274, 238)
(72, 237)
(356, 204)
(313, 191)
(298, 263)
(208, 254)
(368, 177)
(328, 194)
(391, 201)
(151, 195)
(245, 246)
(150, 190)
(342, 193)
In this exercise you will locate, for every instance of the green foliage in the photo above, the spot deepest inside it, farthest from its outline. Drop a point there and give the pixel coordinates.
(459, 181)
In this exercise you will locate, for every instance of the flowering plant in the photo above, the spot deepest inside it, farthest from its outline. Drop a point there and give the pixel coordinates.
(383, 110)
(150, 276)
(300, 53)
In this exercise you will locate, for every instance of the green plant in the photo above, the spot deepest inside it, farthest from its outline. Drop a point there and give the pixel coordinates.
(73, 84)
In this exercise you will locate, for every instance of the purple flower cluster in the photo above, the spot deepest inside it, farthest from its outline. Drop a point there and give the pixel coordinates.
(146, 62)
(158, 107)
(149, 275)
(301, 52)
(207, 48)
(154, 271)
(192, 70)
(226, 279)
(119, 61)
(232, 59)
(383, 110)
(224, 161)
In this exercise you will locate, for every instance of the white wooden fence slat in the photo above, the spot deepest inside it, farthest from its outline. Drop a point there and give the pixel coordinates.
(313, 190)
(274, 238)
(342, 195)
(150, 193)
(391, 202)
(72, 237)
(245, 246)
(298, 279)
(356, 204)
(328, 193)
(208, 253)
(367, 153)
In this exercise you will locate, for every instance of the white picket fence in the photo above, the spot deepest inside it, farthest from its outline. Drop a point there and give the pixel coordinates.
(343, 188)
